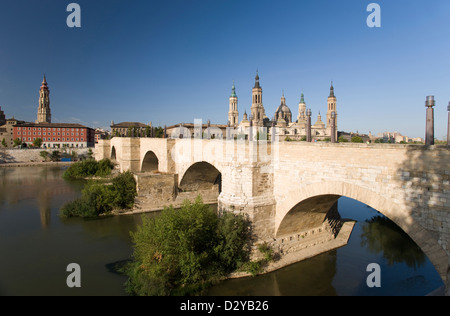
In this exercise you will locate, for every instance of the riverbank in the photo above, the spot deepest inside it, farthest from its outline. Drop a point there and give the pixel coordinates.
(35, 164)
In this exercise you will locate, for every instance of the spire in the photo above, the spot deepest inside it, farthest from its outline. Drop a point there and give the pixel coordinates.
(257, 80)
(331, 90)
(302, 98)
(44, 83)
(283, 99)
(233, 91)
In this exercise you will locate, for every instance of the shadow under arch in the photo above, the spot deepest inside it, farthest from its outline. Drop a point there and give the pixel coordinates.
(329, 192)
(150, 162)
(201, 176)
(113, 153)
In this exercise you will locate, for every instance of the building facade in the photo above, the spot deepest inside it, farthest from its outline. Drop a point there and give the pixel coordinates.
(7, 131)
(129, 129)
(56, 135)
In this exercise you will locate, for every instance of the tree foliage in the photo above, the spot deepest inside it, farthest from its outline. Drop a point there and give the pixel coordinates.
(89, 168)
(182, 252)
(98, 198)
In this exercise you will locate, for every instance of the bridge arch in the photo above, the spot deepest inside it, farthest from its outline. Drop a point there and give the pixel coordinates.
(150, 162)
(299, 199)
(201, 176)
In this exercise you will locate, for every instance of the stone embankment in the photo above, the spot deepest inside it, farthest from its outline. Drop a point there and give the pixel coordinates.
(31, 157)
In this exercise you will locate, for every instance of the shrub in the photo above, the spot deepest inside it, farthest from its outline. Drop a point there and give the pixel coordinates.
(182, 252)
(89, 168)
(357, 139)
(124, 186)
(98, 198)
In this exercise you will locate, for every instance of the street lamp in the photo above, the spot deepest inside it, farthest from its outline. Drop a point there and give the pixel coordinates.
(429, 132)
(333, 127)
(308, 127)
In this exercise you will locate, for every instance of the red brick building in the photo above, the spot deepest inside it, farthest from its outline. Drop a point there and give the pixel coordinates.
(55, 135)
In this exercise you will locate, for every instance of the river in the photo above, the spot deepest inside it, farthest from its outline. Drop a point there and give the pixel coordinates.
(36, 246)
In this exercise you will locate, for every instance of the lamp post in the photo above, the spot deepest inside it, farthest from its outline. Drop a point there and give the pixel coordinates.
(333, 127)
(308, 126)
(448, 125)
(429, 135)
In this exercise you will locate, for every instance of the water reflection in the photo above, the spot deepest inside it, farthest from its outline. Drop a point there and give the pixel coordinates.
(40, 184)
(382, 236)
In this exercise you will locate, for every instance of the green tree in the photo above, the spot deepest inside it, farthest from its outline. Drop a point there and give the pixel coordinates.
(55, 155)
(17, 142)
(357, 139)
(124, 186)
(4, 144)
(342, 139)
(44, 154)
(98, 198)
(181, 252)
(37, 142)
(159, 132)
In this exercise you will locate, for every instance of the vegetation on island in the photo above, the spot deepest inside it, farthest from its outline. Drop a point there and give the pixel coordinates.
(98, 198)
(89, 168)
(183, 252)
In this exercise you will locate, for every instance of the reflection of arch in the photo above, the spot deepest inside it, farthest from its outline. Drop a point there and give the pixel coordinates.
(296, 200)
(150, 162)
(201, 176)
(113, 153)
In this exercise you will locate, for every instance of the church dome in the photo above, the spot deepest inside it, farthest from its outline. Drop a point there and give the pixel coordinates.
(283, 111)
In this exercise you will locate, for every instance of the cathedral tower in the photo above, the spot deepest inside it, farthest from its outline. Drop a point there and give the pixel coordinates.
(331, 108)
(257, 109)
(233, 114)
(44, 115)
(301, 118)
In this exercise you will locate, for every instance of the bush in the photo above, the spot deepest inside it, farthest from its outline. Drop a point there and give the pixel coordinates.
(89, 168)
(124, 187)
(357, 139)
(98, 198)
(182, 252)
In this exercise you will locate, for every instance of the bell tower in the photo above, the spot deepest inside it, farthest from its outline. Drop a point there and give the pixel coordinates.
(330, 109)
(233, 114)
(257, 109)
(44, 115)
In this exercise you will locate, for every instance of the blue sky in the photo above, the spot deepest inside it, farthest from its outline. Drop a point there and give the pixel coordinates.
(174, 61)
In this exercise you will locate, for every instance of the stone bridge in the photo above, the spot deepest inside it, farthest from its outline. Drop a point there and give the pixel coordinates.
(289, 189)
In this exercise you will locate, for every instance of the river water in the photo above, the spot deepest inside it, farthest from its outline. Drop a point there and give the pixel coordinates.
(36, 246)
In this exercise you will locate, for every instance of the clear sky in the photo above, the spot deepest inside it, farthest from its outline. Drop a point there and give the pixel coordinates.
(174, 61)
